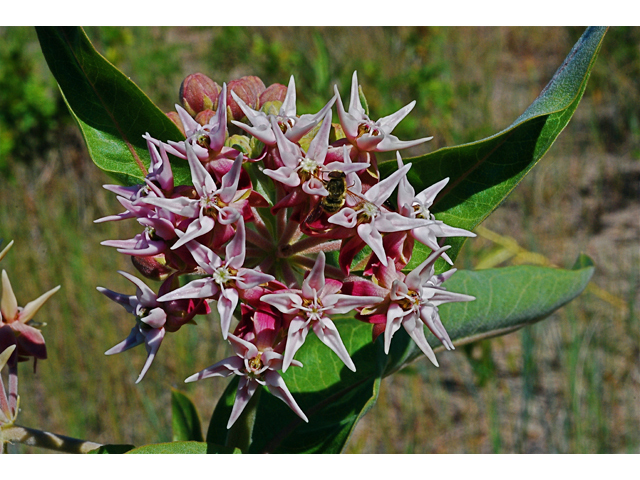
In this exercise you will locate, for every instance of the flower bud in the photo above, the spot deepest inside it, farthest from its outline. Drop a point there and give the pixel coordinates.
(175, 118)
(275, 93)
(154, 268)
(249, 90)
(198, 92)
(204, 116)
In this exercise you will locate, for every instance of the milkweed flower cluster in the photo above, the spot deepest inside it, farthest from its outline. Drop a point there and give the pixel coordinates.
(265, 205)
(20, 340)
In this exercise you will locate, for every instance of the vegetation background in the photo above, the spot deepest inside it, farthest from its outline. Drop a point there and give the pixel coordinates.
(570, 384)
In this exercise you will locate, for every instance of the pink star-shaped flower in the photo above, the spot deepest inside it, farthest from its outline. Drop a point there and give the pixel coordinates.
(256, 362)
(226, 278)
(366, 134)
(311, 308)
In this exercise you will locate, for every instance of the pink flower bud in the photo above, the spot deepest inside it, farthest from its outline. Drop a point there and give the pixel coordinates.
(249, 90)
(198, 92)
(154, 268)
(175, 118)
(275, 93)
(204, 116)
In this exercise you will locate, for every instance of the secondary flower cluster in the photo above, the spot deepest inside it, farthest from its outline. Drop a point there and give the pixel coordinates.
(19, 341)
(265, 205)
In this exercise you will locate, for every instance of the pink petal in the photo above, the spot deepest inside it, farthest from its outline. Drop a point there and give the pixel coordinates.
(298, 330)
(355, 106)
(262, 132)
(202, 180)
(180, 205)
(288, 303)
(394, 222)
(228, 215)
(368, 142)
(290, 153)
(371, 236)
(391, 142)
(428, 195)
(285, 175)
(31, 308)
(346, 303)
(190, 125)
(157, 318)
(243, 348)
(315, 280)
(314, 186)
(223, 368)
(246, 389)
(8, 304)
(431, 319)
(152, 341)
(318, 147)
(349, 122)
(414, 328)
(390, 122)
(196, 229)
(379, 193)
(288, 107)
(347, 217)
(248, 278)
(406, 192)
(230, 181)
(235, 250)
(205, 257)
(328, 334)
(134, 339)
(200, 288)
(279, 389)
(305, 123)
(394, 321)
(146, 296)
(226, 305)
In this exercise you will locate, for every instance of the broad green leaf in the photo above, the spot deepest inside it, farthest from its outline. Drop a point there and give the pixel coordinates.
(334, 398)
(112, 449)
(484, 173)
(111, 111)
(183, 448)
(185, 421)
(507, 299)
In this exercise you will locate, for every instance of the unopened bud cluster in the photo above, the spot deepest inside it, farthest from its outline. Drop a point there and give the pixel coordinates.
(266, 204)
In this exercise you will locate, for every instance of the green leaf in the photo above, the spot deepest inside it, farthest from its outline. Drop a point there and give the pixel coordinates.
(507, 299)
(184, 448)
(112, 449)
(334, 398)
(484, 173)
(111, 111)
(184, 418)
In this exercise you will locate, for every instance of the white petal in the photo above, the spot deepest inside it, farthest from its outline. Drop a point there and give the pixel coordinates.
(246, 389)
(298, 329)
(279, 389)
(328, 334)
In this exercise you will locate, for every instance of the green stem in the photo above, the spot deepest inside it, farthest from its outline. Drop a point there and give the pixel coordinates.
(241, 433)
(52, 441)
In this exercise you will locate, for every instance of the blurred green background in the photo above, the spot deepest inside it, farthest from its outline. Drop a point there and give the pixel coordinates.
(570, 384)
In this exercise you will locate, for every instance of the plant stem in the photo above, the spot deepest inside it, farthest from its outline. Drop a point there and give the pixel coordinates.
(52, 441)
(310, 245)
(258, 240)
(289, 231)
(309, 263)
(13, 387)
(259, 223)
(289, 277)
